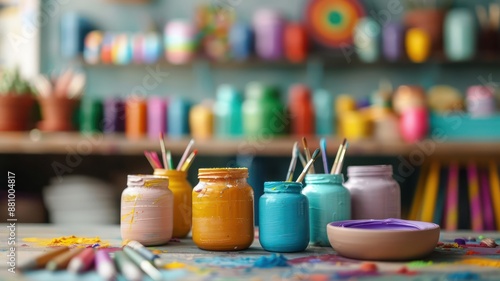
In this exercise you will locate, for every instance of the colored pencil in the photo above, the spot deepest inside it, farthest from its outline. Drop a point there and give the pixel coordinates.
(451, 221)
(335, 163)
(488, 217)
(416, 206)
(146, 153)
(143, 263)
(307, 153)
(128, 269)
(293, 162)
(185, 154)
(308, 165)
(189, 161)
(105, 266)
(156, 159)
(82, 261)
(163, 153)
(495, 191)
(322, 145)
(42, 260)
(169, 160)
(430, 193)
(147, 254)
(61, 261)
(474, 198)
(338, 167)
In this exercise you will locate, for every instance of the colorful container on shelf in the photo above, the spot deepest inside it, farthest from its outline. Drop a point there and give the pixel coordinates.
(324, 114)
(147, 210)
(393, 38)
(91, 116)
(114, 115)
(414, 124)
(182, 210)
(135, 118)
(374, 193)
(460, 35)
(201, 120)
(178, 117)
(228, 112)
(180, 42)
(241, 41)
(464, 127)
(223, 214)
(301, 109)
(481, 101)
(367, 36)
(418, 45)
(329, 201)
(283, 218)
(268, 27)
(263, 112)
(157, 116)
(296, 43)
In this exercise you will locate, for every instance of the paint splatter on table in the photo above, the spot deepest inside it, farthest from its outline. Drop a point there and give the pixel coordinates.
(184, 261)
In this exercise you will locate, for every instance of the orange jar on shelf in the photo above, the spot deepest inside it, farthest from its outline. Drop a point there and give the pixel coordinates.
(181, 188)
(135, 118)
(223, 214)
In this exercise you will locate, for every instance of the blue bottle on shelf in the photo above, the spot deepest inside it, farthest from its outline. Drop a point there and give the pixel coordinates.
(228, 112)
(178, 117)
(241, 41)
(283, 218)
(323, 108)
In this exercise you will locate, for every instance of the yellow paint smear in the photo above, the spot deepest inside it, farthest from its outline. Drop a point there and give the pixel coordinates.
(70, 241)
(481, 262)
(174, 265)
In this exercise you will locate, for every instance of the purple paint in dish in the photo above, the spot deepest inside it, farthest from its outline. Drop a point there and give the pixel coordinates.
(386, 224)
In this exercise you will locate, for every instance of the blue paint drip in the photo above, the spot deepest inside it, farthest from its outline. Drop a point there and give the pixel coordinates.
(275, 260)
(459, 276)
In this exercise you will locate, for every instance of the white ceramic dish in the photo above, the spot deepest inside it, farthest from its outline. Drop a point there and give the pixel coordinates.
(389, 239)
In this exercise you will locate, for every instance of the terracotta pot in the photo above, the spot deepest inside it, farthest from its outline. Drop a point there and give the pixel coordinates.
(15, 112)
(57, 113)
(430, 21)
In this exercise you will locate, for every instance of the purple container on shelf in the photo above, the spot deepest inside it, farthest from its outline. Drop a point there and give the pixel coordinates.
(393, 41)
(481, 101)
(269, 26)
(157, 116)
(114, 116)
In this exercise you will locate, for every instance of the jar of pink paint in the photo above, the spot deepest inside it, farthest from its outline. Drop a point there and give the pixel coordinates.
(374, 193)
(147, 210)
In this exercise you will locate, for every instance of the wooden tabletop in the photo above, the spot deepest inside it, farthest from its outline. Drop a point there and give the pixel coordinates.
(205, 265)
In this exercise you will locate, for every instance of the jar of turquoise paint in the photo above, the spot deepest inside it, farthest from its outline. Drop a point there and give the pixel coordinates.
(329, 201)
(263, 112)
(283, 217)
(227, 110)
(460, 35)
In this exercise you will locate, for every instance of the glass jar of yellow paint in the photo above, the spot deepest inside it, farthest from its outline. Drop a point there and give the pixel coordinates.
(223, 214)
(181, 189)
(147, 210)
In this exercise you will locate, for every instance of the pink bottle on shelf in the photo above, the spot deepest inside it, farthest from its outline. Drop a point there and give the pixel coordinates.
(414, 124)
(374, 193)
(157, 117)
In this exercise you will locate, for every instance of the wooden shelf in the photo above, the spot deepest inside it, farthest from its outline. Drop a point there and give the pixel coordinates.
(99, 144)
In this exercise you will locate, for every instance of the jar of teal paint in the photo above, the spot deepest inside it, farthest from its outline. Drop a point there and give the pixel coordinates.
(329, 201)
(283, 217)
(263, 112)
(227, 110)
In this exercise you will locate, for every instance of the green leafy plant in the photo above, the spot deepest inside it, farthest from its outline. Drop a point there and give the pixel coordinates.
(11, 82)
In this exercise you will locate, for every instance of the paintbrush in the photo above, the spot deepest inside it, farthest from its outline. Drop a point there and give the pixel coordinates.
(308, 166)
(301, 157)
(338, 169)
(322, 146)
(156, 159)
(189, 161)
(307, 153)
(335, 163)
(146, 153)
(169, 160)
(185, 154)
(293, 162)
(163, 153)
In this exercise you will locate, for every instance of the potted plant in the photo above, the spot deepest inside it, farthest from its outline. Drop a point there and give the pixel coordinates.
(16, 101)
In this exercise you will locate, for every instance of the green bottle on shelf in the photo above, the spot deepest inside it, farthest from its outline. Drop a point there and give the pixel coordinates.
(263, 112)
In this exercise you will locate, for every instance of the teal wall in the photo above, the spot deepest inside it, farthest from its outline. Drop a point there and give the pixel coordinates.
(197, 81)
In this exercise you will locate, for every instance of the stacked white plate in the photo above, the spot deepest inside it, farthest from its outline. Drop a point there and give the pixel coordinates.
(81, 200)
